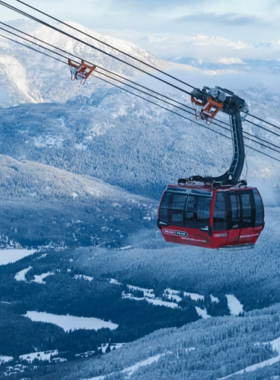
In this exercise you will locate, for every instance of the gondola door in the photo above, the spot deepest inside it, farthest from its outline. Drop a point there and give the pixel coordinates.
(234, 218)
(241, 218)
(247, 235)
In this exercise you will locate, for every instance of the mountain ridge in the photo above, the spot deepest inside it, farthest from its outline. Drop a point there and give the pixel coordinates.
(42, 73)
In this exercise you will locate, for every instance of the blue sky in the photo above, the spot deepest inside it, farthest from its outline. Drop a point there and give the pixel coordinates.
(167, 27)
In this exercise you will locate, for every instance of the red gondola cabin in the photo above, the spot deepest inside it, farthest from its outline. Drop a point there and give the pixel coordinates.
(201, 215)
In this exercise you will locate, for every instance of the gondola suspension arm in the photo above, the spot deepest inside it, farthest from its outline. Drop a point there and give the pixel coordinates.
(208, 103)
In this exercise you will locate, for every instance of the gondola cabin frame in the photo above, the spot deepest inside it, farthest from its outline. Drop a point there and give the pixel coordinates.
(204, 216)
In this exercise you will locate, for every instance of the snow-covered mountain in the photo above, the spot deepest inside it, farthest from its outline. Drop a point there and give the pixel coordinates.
(110, 135)
(42, 205)
(127, 142)
(30, 77)
(85, 166)
(202, 304)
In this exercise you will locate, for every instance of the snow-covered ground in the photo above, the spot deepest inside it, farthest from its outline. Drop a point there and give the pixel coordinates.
(254, 367)
(20, 276)
(202, 313)
(190, 349)
(8, 256)
(5, 359)
(275, 344)
(69, 322)
(131, 370)
(194, 296)
(154, 301)
(114, 346)
(43, 356)
(214, 299)
(82, 277)
(171, 294)
(174, 294)
(159, 302)
(234, 305)
(147, 292)
(115, 282)
(40, 278)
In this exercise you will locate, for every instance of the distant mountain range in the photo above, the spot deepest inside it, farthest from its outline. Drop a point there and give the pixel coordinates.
(82, 171)
(41, 205)
(231, 63)
(107, 134)
(29, 77)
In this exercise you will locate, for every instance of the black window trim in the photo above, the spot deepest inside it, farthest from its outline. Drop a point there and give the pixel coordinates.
(253, 209)
(208, 195)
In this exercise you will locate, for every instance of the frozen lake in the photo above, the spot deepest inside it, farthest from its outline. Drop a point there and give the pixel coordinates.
(69, 322)
(8, 256)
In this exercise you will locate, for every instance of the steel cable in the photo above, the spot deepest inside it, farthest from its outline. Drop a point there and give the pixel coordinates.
(124, 78)
(90, 45)
(112, 56)
(106, 44)
(160, 106)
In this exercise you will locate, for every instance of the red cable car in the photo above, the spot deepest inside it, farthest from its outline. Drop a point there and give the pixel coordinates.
(80, 72)
(214, 212)
(204, 216)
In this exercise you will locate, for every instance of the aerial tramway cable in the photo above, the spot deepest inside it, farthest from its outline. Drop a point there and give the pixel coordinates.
(100, 67)
(59, 30)
(261, 127)
(31, 48)
(126, 54)
(91, 46)
(158, 105)
(106, 44)
(112, 56)
(207, 102)
(122, 77)
(142, 92)
(264, 121)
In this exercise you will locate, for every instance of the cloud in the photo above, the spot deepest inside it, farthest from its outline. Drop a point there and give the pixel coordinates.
(228, 19)
(157, 4)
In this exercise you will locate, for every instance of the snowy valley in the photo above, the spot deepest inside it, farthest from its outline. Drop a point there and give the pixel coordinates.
(89, 290)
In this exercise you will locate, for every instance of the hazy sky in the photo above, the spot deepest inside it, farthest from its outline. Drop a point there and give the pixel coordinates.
(169, 26)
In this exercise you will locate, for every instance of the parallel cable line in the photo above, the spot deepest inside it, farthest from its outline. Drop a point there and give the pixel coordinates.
(141, 97)
(195, 122)
(112, 56)
(264, 121)
(106, 44)
(91, 46)
(31, 48)
(181, 109)
(128, 55)
(100, 67)
(124, 78)
(248, 134)
(265, 129)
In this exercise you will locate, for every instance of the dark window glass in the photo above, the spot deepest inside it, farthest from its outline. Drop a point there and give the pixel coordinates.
(247, 219)
(259, 208)
(220, 222)
(197, 211)
(172, 209)
(166, 200)
(178, 205)
(235, 220)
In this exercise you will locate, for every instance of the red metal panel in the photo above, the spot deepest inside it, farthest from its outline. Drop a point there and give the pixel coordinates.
(218, 239)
